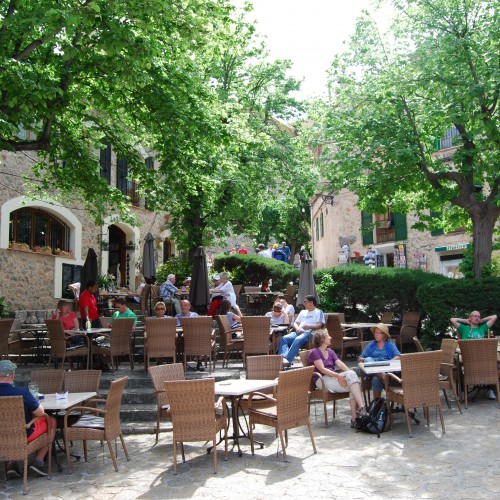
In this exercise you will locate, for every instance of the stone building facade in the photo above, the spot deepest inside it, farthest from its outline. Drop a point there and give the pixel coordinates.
(337, 221)
(38, 279)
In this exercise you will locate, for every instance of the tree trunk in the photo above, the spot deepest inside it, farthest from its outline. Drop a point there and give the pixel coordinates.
(483, 224)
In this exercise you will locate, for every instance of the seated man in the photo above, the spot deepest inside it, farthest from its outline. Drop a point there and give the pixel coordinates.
(167, 293)
(185, 312)
(32, 408)
(307, 321)
(122, 310)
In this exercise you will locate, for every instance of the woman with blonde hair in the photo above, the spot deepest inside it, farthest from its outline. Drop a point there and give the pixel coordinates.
(325, 361)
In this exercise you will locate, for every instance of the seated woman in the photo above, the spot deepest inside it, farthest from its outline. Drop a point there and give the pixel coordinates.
(278, 315)
(233, 319)
(325, 362)
(69, 318)
(379, 349)
(160, 309)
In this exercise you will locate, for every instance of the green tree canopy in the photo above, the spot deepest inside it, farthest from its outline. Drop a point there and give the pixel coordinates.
(392, 95)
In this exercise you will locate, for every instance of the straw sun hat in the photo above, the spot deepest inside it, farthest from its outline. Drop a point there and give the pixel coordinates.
(383, 328)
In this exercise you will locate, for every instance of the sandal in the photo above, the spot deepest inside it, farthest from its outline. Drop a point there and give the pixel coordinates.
(353, 424)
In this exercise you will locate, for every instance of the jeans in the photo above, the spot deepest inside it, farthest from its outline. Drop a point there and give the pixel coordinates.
(290, 344)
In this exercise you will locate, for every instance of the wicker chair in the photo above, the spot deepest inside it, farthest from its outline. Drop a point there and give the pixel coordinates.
(256, 331)
(97, 424)
(120, 342)
(387, 317)
(49, 381)
(13, 445)
(448, 371)
(159, 375)
(266, 367)
(237, 291)
(479, 357)
(194, 415)
(322, 394)
(160, 339)
(290, 293)
(419, 346)
(419, 385)
(254, 303)
(291, 406)
(58, 339)
(340, 343)
(198, 338)
(227, 343)
(5, 326)
(409, 329)
(106, 321)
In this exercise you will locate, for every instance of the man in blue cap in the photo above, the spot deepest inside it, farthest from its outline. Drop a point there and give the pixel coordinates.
(32, 408)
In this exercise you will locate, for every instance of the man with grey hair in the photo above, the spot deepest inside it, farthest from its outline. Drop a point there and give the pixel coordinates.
(167, 293)
(227, 291)
(32, 408)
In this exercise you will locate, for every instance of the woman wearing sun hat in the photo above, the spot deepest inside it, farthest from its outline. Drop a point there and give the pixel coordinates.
(379, 349)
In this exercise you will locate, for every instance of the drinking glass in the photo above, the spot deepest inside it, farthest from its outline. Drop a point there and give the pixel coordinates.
(33, 388)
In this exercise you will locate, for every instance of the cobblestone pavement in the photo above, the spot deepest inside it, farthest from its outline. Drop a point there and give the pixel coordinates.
(464, 463)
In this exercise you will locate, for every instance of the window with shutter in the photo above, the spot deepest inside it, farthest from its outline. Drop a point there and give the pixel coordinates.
(400, 227)
(366, 228)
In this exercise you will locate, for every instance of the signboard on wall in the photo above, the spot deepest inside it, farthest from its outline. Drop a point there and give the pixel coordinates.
(400, 256)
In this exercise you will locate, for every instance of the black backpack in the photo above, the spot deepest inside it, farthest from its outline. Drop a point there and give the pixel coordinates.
(376, 420)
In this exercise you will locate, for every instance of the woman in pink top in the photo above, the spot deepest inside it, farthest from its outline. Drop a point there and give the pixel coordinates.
(69, 318)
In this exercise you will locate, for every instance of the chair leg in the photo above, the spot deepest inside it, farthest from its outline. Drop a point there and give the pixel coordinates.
(68, 460)
(408, 421)
(214, 453)
(250, 427)
(457, 399)
(182, 452)
(466, 387)
(157, 425)
(175, 456)
(441, 417)
(325, 412)
(282, 445)
(85, 451)
(25, 477)
(112, 453)
(311, 436)
(124, 448)
(447, 400)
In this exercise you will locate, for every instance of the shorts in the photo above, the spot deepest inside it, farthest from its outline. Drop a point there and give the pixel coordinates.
(39, 428)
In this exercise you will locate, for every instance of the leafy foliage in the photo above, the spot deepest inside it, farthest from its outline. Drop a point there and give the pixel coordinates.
(175, 265)
(392, 95)
(325, 290)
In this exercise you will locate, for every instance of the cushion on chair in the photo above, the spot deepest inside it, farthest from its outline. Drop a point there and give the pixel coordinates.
(90, 421)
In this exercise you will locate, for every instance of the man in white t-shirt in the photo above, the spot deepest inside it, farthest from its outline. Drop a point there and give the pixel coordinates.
(307, 321)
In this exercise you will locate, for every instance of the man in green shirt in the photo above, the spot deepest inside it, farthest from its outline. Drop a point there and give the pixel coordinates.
(475, 328)
(122, 310)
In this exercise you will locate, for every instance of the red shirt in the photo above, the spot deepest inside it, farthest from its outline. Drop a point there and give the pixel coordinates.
(88, 300)
(67, 321)
(243, 251)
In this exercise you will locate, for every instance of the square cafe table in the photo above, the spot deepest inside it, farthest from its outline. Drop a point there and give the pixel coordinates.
(393, 366)
(234, 389)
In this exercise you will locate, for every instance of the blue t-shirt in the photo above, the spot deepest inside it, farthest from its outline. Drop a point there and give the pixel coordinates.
(387, 352)
(30, 403)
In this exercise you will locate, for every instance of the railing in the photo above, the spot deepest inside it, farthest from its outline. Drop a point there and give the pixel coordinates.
(384, 235)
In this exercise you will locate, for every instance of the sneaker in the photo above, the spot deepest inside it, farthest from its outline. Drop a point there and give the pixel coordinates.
(39, 468)
(362, 412)
(13, 471)
(491, 394)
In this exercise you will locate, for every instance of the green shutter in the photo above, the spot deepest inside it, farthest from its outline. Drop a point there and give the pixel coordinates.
(400, 230)
(436, 232)
(366, 222)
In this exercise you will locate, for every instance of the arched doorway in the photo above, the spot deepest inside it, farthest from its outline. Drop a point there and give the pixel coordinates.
(117, 255)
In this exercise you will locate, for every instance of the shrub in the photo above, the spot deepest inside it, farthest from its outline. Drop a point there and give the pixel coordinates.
(456, 299)
(325, 290)
(252, 269)
(175, 265)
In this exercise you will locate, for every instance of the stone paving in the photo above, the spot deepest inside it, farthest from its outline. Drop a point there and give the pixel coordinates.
(464, 463)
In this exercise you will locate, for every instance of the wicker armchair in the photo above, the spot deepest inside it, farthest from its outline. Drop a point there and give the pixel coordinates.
(227, 343)
(290, 409)
(448, 371)
(340, 343)
(58, 346)
(194, 415)
(198, 338)
(13, 445)
(120, 342)
(266, 367)
(291, 293)
(418, 345)
(94, 427)
(479, 357)
(409, 329)
(419, 385)
(160, 339)
(159, 375)
(5, 326)
(49, 381)
(387, 317)
(256, 331)
(322, 394)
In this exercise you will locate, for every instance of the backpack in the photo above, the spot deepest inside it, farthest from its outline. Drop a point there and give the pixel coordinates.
(376, 420)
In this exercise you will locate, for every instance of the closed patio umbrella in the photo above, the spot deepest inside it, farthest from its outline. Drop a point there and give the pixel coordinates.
(89, 269)
(199, 294)
(306, 280)
(148, 260)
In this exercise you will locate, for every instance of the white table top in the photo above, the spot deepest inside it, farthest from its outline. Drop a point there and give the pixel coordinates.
(363, 325)
(394, 366)
(239, 387)
(92, 331)
(51, 403)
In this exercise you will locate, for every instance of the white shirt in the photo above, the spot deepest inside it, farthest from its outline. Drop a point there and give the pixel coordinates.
(307, 318)
(226, 289)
